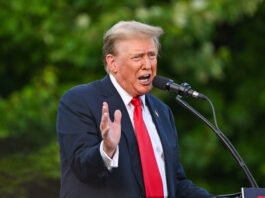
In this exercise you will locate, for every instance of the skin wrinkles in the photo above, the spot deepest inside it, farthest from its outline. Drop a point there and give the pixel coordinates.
(135, 58)
(134, 67)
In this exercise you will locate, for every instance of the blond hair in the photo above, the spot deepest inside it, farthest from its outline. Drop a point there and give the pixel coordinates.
(125, 30)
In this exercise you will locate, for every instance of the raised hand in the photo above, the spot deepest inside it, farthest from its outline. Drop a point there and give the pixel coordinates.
(110, 131)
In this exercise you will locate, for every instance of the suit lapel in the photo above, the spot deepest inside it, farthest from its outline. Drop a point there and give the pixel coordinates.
(115, 102)
(162, 132)
(159, 125)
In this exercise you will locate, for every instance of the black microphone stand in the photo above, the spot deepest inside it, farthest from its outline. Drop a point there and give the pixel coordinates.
(224, 140)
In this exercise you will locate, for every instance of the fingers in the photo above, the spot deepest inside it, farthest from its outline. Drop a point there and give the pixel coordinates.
(105, 119)
(117, 117)
(104, 125)
(105, 108)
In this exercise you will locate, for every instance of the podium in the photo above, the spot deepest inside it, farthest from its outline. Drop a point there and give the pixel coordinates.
(246, 193)
(253, 192)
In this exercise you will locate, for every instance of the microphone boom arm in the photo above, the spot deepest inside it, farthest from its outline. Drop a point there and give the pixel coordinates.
(224, 140)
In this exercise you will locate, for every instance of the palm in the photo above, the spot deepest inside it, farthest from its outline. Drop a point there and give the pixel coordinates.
(110, 131)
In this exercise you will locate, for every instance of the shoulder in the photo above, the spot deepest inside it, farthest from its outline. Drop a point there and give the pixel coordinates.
(85, 93)
(81, 91)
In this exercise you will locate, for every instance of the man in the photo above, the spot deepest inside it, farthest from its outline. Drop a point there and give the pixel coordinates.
(117, 140)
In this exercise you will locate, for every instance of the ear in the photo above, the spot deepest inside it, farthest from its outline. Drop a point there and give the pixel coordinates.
(110, 59)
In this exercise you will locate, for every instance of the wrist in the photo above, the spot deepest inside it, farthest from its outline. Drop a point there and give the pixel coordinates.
(109, 151)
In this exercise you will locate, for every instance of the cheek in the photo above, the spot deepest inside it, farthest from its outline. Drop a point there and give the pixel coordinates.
(154, 62)
(154, 66)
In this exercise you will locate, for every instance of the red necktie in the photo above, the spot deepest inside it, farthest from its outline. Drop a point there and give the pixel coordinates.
(152, 178)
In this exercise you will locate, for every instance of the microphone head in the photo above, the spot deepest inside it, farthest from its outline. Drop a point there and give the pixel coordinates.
(161, 82)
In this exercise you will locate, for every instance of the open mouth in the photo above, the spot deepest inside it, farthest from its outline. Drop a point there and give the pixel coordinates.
(144, 78)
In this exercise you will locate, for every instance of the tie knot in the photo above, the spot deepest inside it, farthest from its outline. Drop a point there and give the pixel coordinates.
(136, 102)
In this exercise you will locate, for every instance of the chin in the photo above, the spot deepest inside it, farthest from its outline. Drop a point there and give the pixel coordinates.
(145, 90)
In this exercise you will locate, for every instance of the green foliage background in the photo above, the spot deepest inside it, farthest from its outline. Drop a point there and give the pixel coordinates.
(47, 47)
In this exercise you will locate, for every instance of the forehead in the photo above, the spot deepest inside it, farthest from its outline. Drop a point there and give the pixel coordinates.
(135, 45)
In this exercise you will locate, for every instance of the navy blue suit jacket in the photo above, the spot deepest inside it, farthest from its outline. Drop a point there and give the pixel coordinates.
(83, 171)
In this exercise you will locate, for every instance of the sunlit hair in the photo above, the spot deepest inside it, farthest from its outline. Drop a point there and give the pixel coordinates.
(125, 30)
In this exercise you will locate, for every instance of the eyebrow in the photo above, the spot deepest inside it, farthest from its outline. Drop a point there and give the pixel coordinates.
(141, 53)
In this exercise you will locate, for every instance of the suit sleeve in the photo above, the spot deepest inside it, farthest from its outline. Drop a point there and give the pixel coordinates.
(184, 187)
(79, 139)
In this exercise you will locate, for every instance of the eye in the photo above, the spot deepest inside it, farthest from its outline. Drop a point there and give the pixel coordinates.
(152, 55)
(136, 57)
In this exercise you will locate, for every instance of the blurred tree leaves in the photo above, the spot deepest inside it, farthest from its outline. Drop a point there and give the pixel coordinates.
(47, 47)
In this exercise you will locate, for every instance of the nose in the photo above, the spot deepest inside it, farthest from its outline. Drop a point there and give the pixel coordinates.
(147, 63)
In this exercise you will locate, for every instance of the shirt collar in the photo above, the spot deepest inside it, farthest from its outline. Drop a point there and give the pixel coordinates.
(125, 96)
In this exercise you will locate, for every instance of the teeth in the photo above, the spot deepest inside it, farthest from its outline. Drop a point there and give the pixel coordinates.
(144, 80)
(144, 77)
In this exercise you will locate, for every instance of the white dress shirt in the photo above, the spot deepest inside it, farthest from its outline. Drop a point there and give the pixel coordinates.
(152, 131)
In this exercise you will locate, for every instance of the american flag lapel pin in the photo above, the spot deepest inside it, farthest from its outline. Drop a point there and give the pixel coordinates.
(156, 114)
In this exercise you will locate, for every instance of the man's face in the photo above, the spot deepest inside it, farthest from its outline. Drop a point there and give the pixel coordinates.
(135, 65)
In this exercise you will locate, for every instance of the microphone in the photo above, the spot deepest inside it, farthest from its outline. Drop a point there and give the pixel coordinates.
(183, 90)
